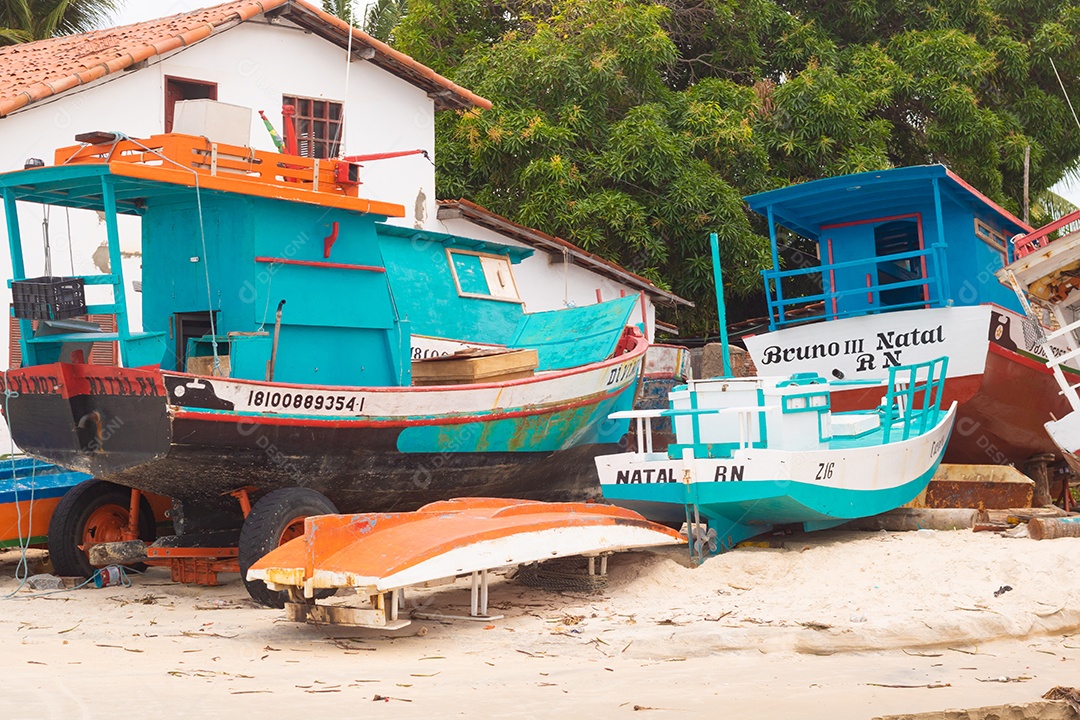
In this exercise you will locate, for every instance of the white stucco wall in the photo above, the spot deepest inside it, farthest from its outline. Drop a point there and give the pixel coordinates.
(254, 65)
(547, 285)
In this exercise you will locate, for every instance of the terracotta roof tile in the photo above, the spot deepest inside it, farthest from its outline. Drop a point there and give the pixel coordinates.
(31, 72)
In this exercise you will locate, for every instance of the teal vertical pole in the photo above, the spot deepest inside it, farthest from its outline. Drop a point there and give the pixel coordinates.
(721, 308)
(112, 230)
(939, 250)
(18, 272)
(779, 302)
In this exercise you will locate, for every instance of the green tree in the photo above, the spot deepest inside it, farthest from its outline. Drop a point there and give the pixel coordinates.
(26, 20)
(633, 128)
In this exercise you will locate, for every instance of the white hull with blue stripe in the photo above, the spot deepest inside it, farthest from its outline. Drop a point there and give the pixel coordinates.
(753, 454)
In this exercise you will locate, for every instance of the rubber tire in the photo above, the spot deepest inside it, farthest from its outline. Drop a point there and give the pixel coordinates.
(69, 521)
(262, 531)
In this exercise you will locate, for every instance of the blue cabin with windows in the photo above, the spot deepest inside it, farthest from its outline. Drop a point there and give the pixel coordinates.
(914, 237)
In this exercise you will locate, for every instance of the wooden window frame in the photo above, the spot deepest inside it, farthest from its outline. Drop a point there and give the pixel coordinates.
(170, 102)
(330, 144)
(993, 238)
(493, 256)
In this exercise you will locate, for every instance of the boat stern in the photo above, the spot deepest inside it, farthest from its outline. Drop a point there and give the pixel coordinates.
(94, 419)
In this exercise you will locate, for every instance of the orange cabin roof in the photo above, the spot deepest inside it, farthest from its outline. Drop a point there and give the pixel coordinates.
(195, 161)
(31, 72)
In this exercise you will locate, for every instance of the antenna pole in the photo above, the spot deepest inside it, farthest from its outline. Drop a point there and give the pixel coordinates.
(1027, 182)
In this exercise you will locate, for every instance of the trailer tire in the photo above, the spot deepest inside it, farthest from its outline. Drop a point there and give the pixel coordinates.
(275, 519)
(93, 510)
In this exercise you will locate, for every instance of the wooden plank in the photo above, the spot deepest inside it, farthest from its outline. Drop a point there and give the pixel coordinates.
(342, 615)
(488, 367)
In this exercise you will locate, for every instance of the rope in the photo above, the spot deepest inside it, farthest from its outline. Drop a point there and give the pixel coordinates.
(345, 100)
(98, 579)
(71, 252)
(45, 239)
(1064, 91)
(22, 569)
(561, 575)
(202, 237)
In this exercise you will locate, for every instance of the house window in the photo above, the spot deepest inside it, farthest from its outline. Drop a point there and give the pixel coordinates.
(317, 124)
(177, 89)
(991, 237)
(483, 276)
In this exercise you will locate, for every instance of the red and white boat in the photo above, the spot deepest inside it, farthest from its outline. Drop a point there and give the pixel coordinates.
(1046, 277)
(903, 264)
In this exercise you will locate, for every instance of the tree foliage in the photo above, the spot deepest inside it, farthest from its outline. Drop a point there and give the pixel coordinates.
(26, 20)
(633, 128)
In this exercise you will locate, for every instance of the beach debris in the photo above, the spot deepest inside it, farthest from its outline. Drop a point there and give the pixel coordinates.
(1005, 679)
(930, 686)
(921, 654)
(45, 582)
(387, 698)
(189, 633)
(1069, 694)
(1018, 531)
(1002, 590)
(813, 625)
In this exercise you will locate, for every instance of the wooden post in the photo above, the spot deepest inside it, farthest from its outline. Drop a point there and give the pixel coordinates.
(1037, 471)
(1027, 179)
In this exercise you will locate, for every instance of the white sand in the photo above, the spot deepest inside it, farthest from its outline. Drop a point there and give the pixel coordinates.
(811, 630)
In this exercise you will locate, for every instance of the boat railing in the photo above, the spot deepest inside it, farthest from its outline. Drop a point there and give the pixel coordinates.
(779, 305)
(1027, 244)
(644, 418)
(907, 383)
(175, 152)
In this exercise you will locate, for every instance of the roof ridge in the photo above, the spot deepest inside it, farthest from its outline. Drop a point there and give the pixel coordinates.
(54, 65)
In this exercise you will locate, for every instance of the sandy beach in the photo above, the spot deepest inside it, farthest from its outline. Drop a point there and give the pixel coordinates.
(832, 625)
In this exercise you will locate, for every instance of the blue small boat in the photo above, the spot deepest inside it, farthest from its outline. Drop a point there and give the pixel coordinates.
(29, 493)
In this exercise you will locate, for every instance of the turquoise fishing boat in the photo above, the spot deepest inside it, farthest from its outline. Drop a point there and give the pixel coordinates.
(299, 355)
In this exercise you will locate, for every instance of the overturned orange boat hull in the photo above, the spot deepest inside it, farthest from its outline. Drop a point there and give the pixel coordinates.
(381, 552)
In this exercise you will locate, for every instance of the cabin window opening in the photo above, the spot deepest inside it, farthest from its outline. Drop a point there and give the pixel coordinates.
(177, 89)
(191, 326)
(894, 238)
(317, 124)
(993, 238)
(483, 275)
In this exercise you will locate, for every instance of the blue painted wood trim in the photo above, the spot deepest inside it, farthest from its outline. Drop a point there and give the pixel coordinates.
(112, 231)
(942, 274)
(776, 268)
(18, 270)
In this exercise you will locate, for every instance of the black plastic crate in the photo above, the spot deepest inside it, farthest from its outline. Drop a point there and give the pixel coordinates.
(48, 298)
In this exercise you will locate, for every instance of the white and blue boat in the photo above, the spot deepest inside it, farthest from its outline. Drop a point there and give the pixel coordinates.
(753, 454)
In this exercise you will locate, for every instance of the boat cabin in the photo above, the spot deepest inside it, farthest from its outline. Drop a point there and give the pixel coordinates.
(914, 237)
(265, 266)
